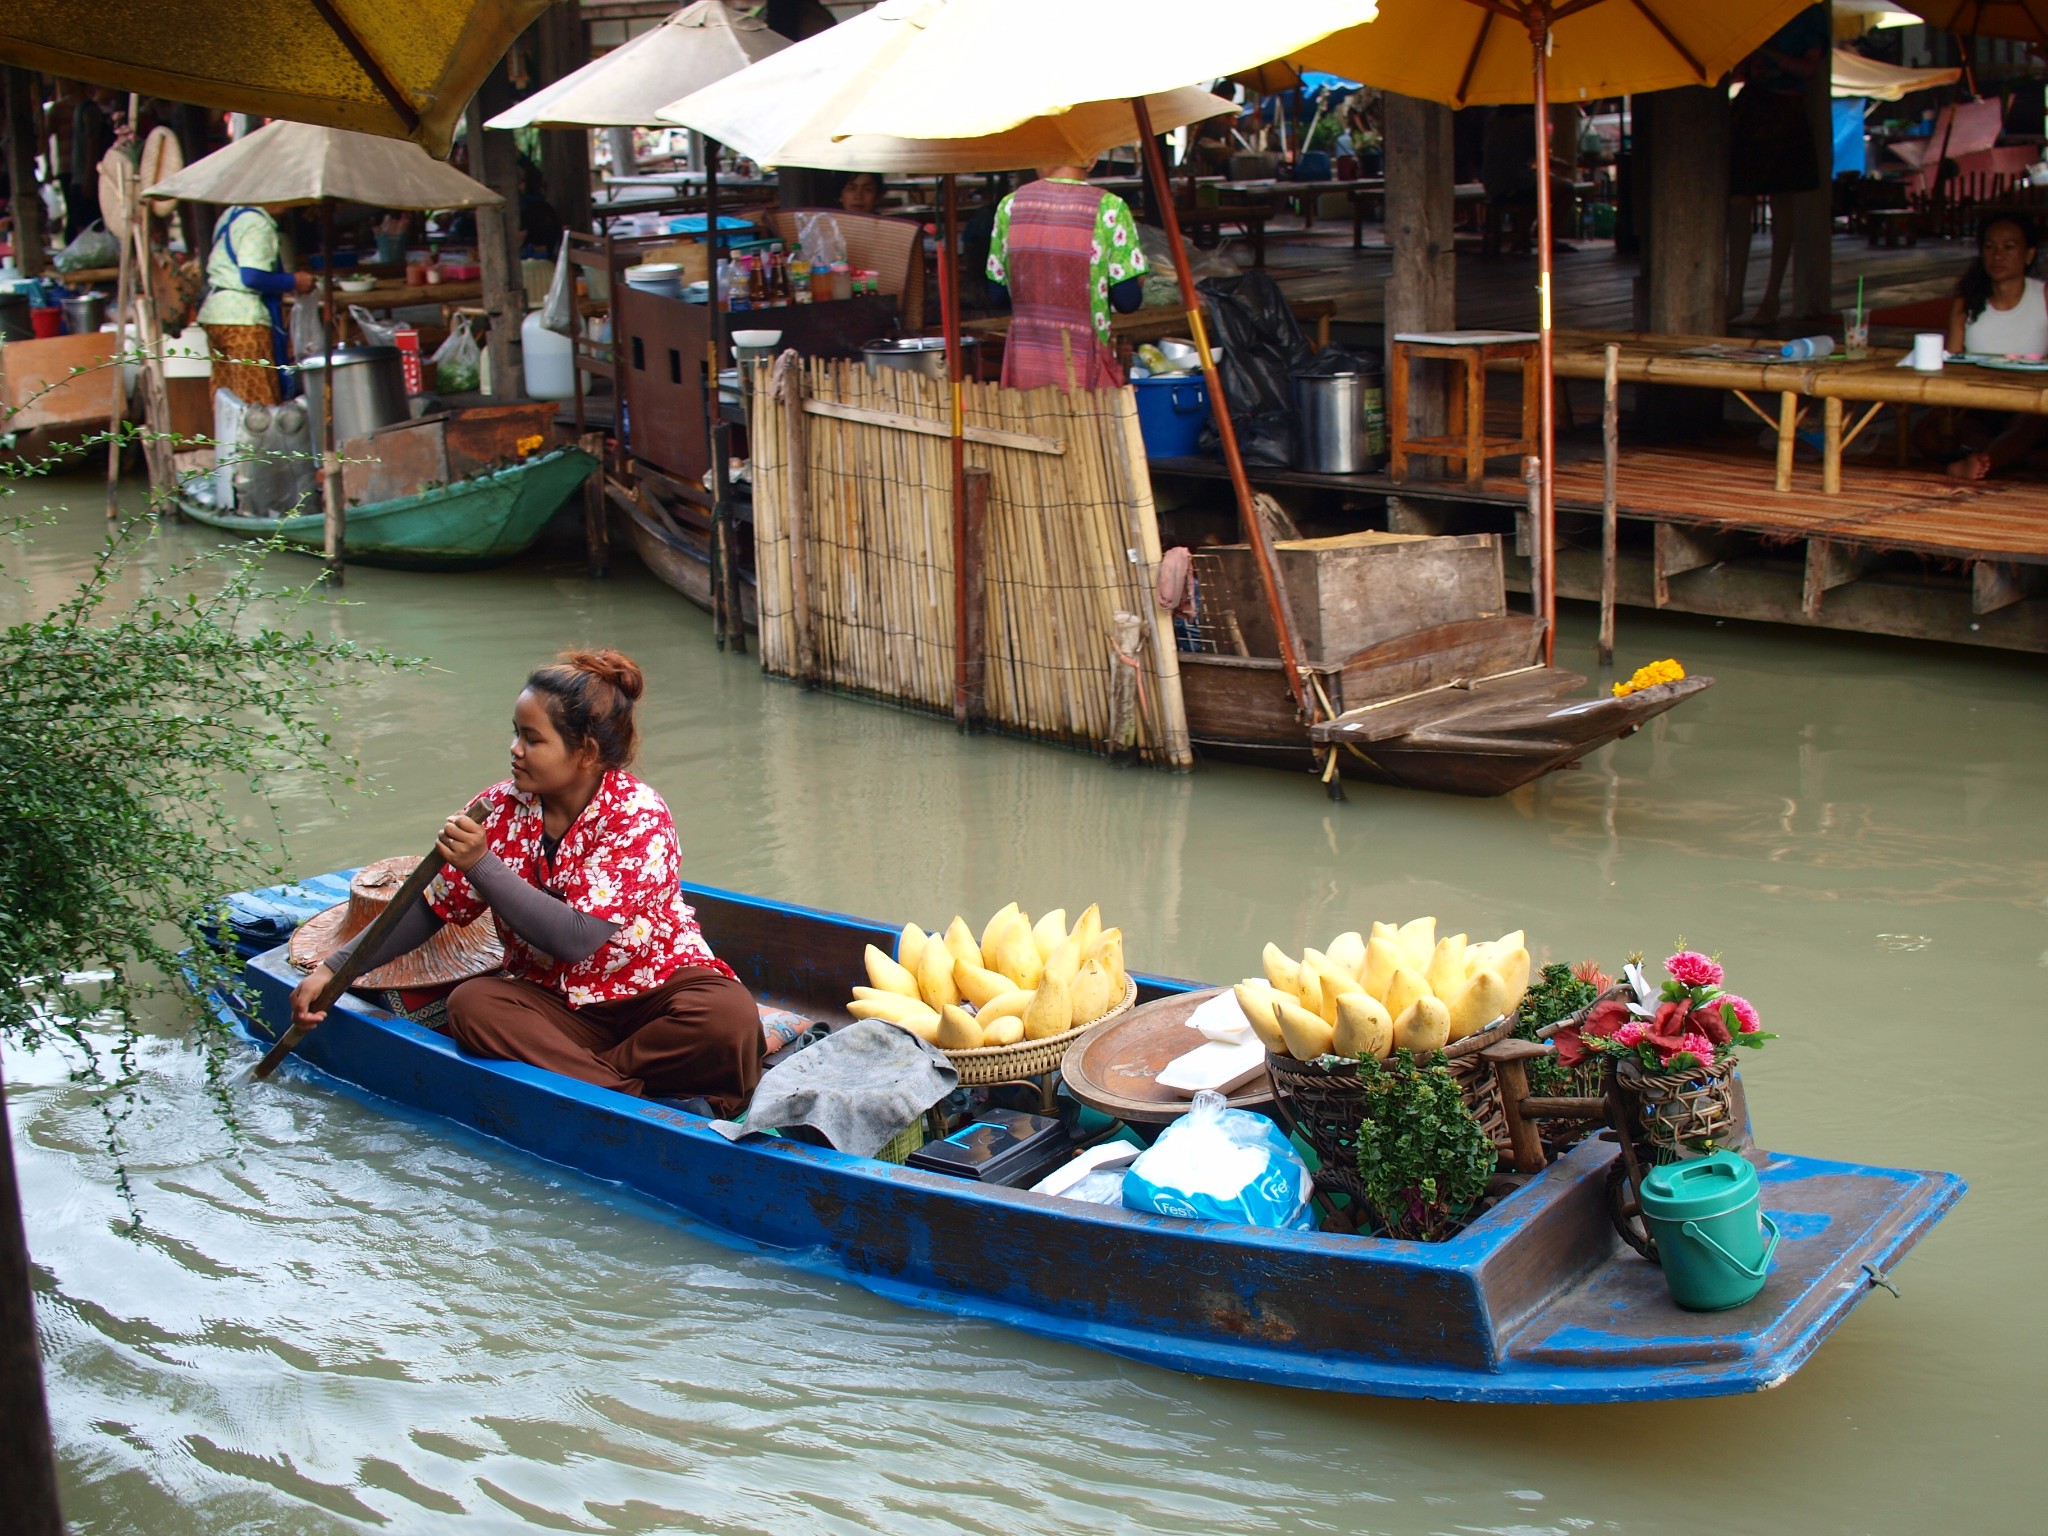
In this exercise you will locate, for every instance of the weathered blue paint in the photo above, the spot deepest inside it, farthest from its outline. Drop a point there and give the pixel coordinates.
(1535, 1302)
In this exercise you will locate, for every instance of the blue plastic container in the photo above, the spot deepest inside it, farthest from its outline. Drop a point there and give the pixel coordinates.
(1171, 410)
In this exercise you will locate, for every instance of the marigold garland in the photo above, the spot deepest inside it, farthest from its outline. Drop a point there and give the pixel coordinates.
(1665, 671)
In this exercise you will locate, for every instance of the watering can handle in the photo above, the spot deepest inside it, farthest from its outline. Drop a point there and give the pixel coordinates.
(1763, 1265)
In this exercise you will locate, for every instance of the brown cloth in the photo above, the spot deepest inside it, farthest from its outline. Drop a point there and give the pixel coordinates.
(241, 362)
(696, 1035)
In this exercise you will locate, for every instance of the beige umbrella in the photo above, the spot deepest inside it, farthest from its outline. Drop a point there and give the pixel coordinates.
(286, 163)
(627, 87)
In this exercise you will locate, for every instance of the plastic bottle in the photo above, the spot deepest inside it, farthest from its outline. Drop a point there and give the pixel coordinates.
(1807, 347)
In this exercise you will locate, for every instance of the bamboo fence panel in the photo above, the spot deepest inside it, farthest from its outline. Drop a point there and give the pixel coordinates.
(1071, 542)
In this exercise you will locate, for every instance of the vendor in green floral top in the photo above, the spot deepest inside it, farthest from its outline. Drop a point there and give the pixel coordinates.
(1068, 253)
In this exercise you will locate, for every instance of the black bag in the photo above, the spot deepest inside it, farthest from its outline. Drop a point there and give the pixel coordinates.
(1262, 349)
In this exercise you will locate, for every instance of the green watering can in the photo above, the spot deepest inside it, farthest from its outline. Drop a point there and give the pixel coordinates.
(1709, 1227)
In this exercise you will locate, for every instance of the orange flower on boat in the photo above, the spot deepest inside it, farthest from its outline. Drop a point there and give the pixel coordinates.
(1666, 671)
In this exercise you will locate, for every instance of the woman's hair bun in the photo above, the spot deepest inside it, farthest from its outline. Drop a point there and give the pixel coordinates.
(614, 667)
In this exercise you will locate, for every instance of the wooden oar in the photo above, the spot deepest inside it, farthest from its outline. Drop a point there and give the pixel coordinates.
(358, 961)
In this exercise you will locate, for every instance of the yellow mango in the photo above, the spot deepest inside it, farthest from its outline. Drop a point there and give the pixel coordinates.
(1383, 957)
(1424, 1027)
(958, 1030)
(1308, 1035)
(1335, 984)
(910, 945)
(1049, 930)
(1283, 973)
(1087, 931)
(935, 977)
(1064, 961)
(1446, 970)
(1403, 990)
(1009, 1005)
(1478, 957)
(960, 943)
(1509, 942)
(1347, 953)
(1050, 1011)
(1419, 939)
(1478, 1003)
(1003, 1032)
(1390, 931)
(1111, 954)
(1514, 970)
(1256, 1001)
(903, 1012)
(995, 925)
(889, 976)
(978, 986)
(1308, 989)
(1016, 956)
(1090, 996)
(1363, 1027)
(1310, 955)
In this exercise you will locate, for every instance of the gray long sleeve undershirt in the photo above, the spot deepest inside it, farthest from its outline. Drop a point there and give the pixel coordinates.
(546, 922)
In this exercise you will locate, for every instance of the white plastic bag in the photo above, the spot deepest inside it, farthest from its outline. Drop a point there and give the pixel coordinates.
(308, 335)
(378, 333)
(227, 436)
(1216, 1163)
(819, 239)
(458, 363)
(558, 314)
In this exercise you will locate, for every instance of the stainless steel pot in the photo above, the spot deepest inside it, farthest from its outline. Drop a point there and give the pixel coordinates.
(918, 354)
(1337, 423)
(84, 312)
(369, 390)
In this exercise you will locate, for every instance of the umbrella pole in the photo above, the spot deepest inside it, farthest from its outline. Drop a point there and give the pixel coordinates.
(949, 320)
(714, 405)
(1544, 588)
(1248, 514)
(330, 460)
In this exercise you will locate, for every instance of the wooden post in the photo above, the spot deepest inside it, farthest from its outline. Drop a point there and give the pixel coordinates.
(1545, 531)
(124, 297)
(970, 704)
(561, 47)
(949, 320)
(1831, 454)
(31, 252)
(1422, 289)
(789, 383)
(28, 1463)
(336, 541)
(1813, 215)
(494, 161)
(1610, 506)
(596, 539)
(1683, 184)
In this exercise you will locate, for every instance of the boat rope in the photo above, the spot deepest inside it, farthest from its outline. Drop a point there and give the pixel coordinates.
(1878, 1277)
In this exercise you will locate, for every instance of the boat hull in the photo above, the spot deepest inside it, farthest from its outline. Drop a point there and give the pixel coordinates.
(680, 562)
(472, 523)
(1535, 1302)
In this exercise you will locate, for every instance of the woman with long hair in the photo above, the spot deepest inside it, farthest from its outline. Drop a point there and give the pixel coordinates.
(1999, 310)
(607, 977)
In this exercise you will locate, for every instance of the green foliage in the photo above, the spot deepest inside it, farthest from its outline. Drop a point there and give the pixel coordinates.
(1557, 994)
(1422, 1156)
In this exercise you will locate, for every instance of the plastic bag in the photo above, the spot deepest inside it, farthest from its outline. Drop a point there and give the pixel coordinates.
(92, 247)
(228, 409)
(308, 334)
(1161, 286)
(1263, 349)
(458, 363)
(558, 314)
(378, 333)
(1216, 1163)
(819, 238)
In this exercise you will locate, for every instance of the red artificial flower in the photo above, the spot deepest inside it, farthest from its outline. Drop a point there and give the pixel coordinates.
(1602, 1022)
(1673, 1021)
(1690, 968)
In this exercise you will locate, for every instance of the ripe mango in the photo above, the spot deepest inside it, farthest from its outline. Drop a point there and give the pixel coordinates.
(903, 1012)
(1050, 1011)
(1256, 1001)
(889, 976)
(979, 986)
(1403, 990)
(1009, 1005)
(1513, 965)
(1363, 1027)
(1347, 953)
(1016, 956)
(994, 926)
(1446, 970)
(1090, 996)
(1425, 1027)
(1047, 932)
(1308, 989)
(1390, 931)
(1419, 939)
(1112, 957)
(1478, 1003)
(957, 1030)
(1003, 1032)
(910, 944)
(1064, 961)
(935, 977)
(1307, 1034)
(1282, 972)
(1087, 931)
(1383, 957)
(960, 943)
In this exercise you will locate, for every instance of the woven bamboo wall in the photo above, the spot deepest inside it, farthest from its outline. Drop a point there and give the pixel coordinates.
(1069, 500)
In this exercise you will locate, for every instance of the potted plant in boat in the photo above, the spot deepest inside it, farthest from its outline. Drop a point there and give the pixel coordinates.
(1423, 1158)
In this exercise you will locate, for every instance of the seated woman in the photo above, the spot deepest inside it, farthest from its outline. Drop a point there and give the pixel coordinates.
(1998, 311)
(607, 977)
(861, 192)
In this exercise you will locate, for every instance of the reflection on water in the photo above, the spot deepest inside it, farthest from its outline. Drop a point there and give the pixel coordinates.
(356, 1318)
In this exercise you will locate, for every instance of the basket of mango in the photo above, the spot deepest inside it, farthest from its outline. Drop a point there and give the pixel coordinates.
(1003, 1005)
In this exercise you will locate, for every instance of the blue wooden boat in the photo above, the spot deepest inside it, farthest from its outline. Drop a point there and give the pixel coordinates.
(1537, 1301)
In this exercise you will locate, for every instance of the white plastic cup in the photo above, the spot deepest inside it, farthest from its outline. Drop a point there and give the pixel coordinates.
(1927, 351)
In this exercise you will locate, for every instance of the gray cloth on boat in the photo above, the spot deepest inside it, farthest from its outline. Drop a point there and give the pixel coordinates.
(546, 922)
(856, 1088)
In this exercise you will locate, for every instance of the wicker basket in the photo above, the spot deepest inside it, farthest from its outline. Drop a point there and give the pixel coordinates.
(1028, 1059)
(1679, 1114)
(1323, 1102)
(1587, 1080)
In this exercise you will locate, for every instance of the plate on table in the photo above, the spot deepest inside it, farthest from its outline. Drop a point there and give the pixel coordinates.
(2015, 364)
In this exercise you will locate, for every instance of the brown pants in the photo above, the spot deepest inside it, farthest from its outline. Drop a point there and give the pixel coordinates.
(698, 1034)
(241, 362)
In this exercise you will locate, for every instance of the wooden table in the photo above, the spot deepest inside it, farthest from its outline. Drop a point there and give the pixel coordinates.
(1369, 191)
(1878, 381)
(1114, 1069)
(387, 296)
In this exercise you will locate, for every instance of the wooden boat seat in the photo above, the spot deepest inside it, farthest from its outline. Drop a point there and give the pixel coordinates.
(1442, 705)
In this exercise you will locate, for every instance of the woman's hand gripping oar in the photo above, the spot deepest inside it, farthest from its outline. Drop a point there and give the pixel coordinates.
(345, 975)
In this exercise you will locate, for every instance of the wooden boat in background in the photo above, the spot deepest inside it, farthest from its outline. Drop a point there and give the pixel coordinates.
(1422, 677)
(673, 540)
(1536, 1301)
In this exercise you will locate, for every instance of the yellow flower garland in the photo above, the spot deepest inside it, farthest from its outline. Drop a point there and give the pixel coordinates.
(1665, 671)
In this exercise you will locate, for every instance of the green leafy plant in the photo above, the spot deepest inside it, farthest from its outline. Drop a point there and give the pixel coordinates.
(1423, 1158)
(1557, 994)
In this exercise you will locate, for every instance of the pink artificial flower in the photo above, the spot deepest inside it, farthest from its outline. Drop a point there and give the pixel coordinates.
(1745, 1012)
(1634, 1032)
(1700, 1046)
(1690, 968)
(1589, 971)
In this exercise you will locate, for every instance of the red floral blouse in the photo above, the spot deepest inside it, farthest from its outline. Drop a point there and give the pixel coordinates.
(619, 862)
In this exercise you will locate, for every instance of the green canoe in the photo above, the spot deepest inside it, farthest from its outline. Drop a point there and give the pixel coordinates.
(481, 521)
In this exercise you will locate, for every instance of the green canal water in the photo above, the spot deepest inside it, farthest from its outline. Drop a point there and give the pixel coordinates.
(355, 1318)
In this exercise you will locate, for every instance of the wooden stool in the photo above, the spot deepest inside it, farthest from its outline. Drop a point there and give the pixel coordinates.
(1890, 227)
(1466, 443)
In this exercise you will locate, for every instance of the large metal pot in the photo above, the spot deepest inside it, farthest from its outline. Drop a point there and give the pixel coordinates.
(1338, 423)
(369, 390)
(84, 313)
(918, 354)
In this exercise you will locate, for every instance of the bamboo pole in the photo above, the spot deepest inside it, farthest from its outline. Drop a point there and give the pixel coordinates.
(1610, 511)
(124, 296)
(1538, 19)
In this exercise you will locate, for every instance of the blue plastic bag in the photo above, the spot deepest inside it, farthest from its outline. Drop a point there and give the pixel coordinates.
(1216, 1163)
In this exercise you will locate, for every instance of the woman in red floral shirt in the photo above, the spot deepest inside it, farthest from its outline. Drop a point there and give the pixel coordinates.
(607, 976)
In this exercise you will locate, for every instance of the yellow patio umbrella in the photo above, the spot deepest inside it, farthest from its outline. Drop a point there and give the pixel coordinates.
(403, 69)
(2022, 21)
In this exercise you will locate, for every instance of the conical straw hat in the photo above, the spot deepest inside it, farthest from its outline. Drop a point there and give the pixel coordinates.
(454, 954)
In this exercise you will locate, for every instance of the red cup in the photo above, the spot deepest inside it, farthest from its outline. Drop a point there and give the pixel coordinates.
(47, 322)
